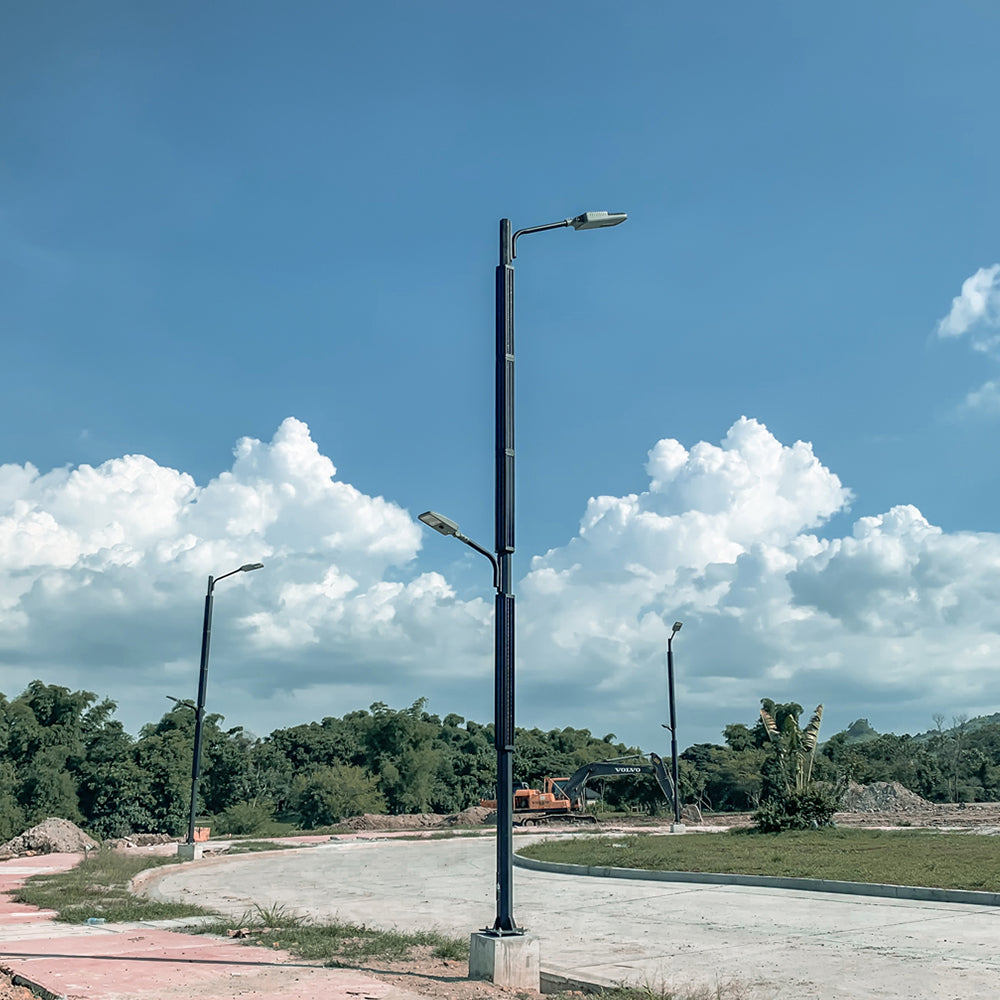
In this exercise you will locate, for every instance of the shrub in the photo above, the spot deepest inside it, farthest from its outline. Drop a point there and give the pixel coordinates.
(243, 818)
(808, 810)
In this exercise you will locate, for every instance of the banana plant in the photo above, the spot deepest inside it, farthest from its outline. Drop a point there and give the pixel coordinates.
(796, 747)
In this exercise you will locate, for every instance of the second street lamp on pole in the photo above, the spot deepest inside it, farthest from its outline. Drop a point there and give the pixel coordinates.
(199, 713)
(446, 526)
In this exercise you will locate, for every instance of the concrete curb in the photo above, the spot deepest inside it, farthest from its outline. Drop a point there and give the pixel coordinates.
(921, 893)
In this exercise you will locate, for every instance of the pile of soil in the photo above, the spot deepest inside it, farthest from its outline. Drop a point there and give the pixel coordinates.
(474, 816)
(373, 821)
(51, 836)
(140, 840)
(883, 796)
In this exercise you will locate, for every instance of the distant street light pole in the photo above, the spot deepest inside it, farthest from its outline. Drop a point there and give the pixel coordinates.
(199, 713)
(673, 721)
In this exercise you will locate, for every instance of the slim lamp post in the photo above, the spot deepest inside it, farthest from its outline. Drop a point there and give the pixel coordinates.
(673, 722)
(199, 712)
(503, 638)
(504, 630)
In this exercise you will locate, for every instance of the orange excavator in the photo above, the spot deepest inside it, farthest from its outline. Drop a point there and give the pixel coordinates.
(562, 799)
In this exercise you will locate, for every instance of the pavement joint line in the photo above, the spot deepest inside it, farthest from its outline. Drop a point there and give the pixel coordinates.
(882, 890)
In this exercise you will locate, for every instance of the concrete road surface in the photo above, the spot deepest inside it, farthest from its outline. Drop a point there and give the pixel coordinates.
(777, 943)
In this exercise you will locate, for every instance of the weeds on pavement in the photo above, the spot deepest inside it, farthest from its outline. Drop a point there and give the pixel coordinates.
(334, 943)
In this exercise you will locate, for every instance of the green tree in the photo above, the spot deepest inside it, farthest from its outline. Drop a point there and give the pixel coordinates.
(11, 814)
(163, 755)
(330, 794)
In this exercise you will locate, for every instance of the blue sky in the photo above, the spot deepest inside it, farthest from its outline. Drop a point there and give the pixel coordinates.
(218, 217)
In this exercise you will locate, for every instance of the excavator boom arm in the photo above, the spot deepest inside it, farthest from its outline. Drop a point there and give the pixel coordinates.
(574, 786)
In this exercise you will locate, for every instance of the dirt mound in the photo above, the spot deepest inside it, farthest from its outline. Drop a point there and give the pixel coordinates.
(474, 816)
(882, 796)
(414, 821)
(51, 836)
(140, 840)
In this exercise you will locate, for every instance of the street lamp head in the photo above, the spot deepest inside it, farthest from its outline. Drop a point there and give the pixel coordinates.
(597, 220)
(441, 524)
(677, 626)
(250, 566)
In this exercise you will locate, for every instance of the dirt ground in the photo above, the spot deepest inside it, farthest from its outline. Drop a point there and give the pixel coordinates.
(8, 991)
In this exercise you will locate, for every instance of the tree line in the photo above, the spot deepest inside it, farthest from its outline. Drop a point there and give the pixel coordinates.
(62, 753)
(957, 763)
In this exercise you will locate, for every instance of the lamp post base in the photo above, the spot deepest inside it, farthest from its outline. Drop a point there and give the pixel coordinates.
(190, 852)
(678, 828)
(509, 960)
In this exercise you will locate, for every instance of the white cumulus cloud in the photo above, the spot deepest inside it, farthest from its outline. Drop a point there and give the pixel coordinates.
(976, 312)
(896, 621)
(977, 309)
(985, 400)
(103, 570)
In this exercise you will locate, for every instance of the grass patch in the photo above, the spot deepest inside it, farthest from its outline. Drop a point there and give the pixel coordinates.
(335, 944)
(917, 857)
(98, 887)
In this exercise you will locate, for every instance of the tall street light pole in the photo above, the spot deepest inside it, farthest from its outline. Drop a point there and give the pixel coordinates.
(504, 607)
(503, 632)
(673, 722)
(199, 712)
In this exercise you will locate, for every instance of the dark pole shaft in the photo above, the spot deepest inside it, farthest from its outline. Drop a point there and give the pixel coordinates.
(199, 717)
(673, 731)
(504, 608)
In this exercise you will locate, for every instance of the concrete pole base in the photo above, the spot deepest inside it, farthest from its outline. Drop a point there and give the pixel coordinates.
(678, 828)
(509, 960)
(189, 852)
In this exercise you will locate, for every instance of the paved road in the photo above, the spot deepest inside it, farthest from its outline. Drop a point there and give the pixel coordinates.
(779, 944)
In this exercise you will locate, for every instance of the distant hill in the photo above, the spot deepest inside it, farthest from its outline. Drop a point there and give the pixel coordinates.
(860, 731)
(971, 725)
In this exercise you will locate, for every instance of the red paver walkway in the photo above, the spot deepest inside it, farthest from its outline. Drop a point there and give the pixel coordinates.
(136, 962)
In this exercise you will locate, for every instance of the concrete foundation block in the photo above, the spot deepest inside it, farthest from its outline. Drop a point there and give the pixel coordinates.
(190, 852)
(509, 960)
(678, 828)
